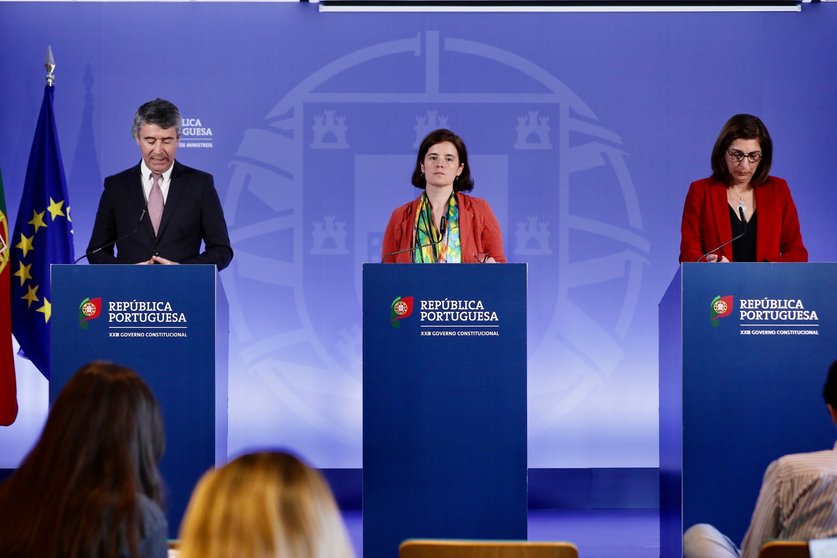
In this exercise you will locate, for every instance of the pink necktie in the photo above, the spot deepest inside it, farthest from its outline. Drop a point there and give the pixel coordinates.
(155, 202)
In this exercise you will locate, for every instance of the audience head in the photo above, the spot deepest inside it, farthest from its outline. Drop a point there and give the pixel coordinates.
(464, 182)
(745, 127)
(829, 390)
(76, 493)
(263, 505)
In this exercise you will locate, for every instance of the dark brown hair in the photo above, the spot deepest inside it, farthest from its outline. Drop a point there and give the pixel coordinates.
(464, 182)
(76, 494)
(829, 390)
(742, 126)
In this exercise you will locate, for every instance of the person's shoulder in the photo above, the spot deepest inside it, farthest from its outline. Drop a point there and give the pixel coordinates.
(707, 183)
(151, 515)
(123, 176)
(816, 462)
(468, 201)
(776, 183)
(406, 209)
(153, 528)
(704, 188)
(182, 170)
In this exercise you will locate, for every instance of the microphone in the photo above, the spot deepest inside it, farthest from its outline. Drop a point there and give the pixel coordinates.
(743, 220)
(119, 239)
(442, 227)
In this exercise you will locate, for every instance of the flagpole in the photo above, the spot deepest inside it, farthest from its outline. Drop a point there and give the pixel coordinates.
(49, 64)
(43, 234)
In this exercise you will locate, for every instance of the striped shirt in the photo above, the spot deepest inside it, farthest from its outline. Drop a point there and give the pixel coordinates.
(797, 501)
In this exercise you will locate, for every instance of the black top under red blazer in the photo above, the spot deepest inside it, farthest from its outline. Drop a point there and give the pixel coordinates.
(706, 222)
(192, 215)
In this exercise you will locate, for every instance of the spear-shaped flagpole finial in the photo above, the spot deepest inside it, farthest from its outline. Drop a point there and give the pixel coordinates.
(49, 64)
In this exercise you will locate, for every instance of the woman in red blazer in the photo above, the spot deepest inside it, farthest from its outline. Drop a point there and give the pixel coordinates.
(741, 201)
(443, 225)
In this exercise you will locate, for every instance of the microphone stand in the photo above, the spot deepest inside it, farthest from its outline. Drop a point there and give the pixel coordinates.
(442, 228)
(109, 244)
(743, 220)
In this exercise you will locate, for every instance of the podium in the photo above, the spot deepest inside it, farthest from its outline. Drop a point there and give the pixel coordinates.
(165, 323)
(444, 403)
(744, 352)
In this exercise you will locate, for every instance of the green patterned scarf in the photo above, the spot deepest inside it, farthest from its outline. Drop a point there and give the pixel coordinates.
(429, 247)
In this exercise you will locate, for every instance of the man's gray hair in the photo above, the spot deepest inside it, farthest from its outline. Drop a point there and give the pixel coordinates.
(160, 112)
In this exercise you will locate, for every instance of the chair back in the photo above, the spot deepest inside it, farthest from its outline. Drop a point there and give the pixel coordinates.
(441, 548)
(784, 549)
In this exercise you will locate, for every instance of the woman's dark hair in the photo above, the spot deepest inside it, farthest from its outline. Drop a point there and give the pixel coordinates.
(829, 390)
(76, 494)
(464, 182)
(742, 126)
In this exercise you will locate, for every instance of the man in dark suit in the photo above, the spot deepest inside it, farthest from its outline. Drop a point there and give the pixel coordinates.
(159, 211)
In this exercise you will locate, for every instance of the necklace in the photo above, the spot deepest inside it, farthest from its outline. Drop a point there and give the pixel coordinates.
(741, 203)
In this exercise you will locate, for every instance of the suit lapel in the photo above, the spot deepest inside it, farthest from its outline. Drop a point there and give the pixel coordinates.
(466, 217)
(721, 208)
(760, 195)
(176, 187)
(408, 227)
(137, 197)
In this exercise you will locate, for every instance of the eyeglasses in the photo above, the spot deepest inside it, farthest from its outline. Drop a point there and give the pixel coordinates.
(738, 156)
(450, 160)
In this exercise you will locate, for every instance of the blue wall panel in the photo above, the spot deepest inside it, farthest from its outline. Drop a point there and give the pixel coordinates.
(584, 132)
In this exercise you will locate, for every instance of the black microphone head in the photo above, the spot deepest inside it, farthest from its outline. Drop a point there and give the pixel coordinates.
(443, 225)
(741, 213)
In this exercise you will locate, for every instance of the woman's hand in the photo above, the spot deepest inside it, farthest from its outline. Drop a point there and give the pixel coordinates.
(713, 258)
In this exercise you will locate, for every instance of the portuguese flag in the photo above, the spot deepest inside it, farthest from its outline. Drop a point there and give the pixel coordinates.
(8, 387)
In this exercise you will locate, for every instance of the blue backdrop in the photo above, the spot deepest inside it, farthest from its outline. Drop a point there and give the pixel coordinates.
(584, 130)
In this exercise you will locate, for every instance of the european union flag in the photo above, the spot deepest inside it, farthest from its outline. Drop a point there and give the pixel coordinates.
(43, 235)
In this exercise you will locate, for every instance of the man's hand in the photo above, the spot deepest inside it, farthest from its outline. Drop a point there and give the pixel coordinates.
(163, 261)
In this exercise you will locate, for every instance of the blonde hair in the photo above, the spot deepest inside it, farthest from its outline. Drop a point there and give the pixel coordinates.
(263, 505)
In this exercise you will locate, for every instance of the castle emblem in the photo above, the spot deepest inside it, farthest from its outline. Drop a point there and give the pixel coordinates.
(532, 238)
(534, 127)
(329, 131)
(426, 124)
(329, 238)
